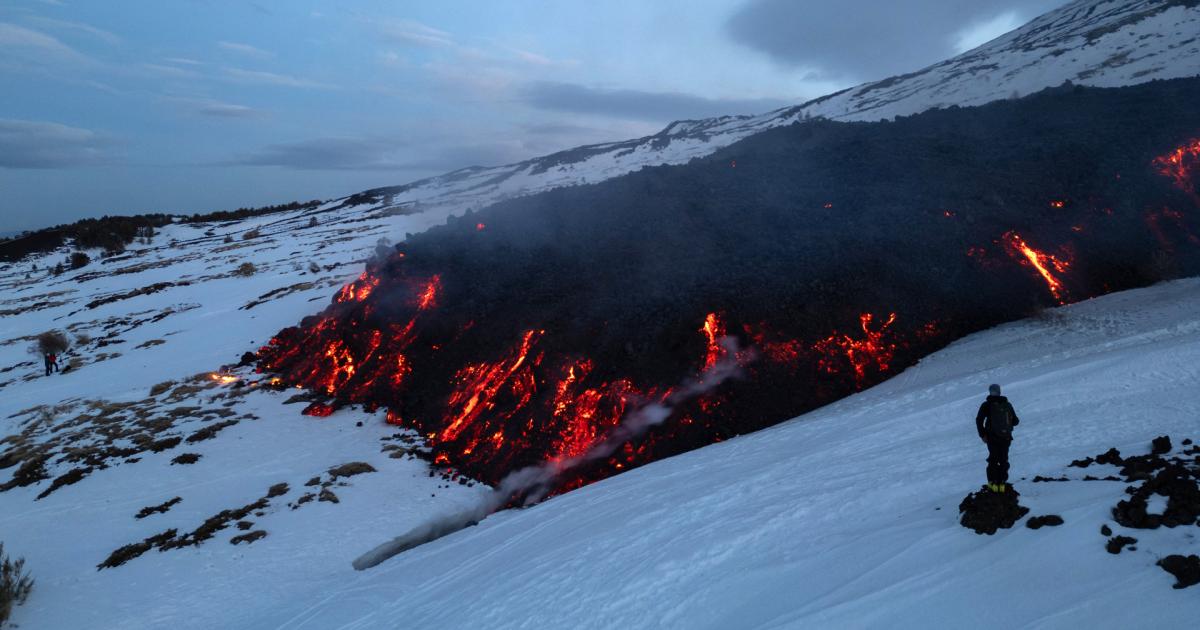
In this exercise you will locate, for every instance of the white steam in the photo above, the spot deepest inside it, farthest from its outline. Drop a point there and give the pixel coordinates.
(534, 482)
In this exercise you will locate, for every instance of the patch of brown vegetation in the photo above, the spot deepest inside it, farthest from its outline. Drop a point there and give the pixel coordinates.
(210, 431)
(116, 297)
(161, 508)
(161, 388)
(248, 538)
(351, 469)
(71, 476)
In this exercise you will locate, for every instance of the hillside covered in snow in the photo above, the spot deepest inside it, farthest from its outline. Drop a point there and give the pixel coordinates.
(844, 517)
(172, 475)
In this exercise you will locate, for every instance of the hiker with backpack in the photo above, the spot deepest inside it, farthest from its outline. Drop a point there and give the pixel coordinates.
(995, 422)
(51, 363)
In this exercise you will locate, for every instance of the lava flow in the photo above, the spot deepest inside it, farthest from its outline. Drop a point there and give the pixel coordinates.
(1181, 165)
(486, 410)
(1046, 265)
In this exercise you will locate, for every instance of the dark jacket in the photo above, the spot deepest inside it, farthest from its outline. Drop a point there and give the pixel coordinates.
(992, 409)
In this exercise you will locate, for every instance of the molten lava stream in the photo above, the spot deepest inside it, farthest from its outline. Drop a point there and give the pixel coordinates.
(1045, 264)
(838, 350)
(1182, 165)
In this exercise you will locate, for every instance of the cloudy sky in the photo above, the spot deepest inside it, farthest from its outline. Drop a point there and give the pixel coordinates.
(196, 105)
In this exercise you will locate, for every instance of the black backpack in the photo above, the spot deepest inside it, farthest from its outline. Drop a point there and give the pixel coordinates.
(1000, 419)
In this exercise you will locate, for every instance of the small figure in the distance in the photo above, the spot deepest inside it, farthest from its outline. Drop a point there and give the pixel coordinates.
(51, 363)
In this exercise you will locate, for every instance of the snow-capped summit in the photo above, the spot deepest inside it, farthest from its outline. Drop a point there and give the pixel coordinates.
(1103, 43)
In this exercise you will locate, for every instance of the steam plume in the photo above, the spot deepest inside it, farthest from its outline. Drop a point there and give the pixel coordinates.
(534, 482)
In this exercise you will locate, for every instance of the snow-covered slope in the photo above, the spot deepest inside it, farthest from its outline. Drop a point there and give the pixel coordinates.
(1104, 43)
(831, 518)
(845, 517)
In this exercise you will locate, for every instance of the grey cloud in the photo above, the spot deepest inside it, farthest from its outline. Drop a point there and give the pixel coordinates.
(414, 33)
(380, 154)
(325, 154)
(244, 49)
(270, 78)
(217, 109)
(638, 105)
(34, 144)
(866, 39)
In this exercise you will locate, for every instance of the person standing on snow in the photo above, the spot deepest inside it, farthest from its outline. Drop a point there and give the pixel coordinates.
(995, 422)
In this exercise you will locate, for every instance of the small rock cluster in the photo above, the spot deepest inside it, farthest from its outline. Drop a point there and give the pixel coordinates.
(986, 511)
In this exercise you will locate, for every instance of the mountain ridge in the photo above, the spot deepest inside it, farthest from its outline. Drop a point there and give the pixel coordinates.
(1099, 43)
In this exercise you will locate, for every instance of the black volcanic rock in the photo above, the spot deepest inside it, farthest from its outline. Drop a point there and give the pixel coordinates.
(1161, 445)
(1186, 569)
(820, 224)
(985, 511)
(1116, 543)
(1048, 520)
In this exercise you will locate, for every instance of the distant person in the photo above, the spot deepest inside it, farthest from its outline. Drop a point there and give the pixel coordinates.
(51, 363)
(995, 422)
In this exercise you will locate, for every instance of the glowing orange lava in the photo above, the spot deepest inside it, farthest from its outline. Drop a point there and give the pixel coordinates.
(428, 298)
(1046, 265)
(1181, 165)
(870, 352)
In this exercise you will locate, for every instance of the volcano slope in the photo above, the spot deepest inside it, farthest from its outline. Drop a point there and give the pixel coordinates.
(846, 517)
(834, 253)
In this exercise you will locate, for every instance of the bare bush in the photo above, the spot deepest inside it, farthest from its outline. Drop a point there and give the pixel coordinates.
(251, 234)
(15, 584)
(246, 269)
(52, 342)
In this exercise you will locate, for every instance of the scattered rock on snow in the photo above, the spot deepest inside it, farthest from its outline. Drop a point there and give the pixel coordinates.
(351, 469)
(186, 458)
(1048, 520)
(161, 508)
(1116, 543)
(1186, 569)
(986, 511)
(249, 537)
(1161, 445)
(1105, 530)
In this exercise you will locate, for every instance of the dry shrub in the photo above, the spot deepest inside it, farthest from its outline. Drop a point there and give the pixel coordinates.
(52, 342)
(246, 269)
(15, 584)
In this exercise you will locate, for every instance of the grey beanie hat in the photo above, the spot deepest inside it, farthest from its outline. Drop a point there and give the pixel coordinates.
(994, 389)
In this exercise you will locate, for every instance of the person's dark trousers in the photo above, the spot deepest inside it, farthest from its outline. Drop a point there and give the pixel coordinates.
(47, 367)
(997, 461)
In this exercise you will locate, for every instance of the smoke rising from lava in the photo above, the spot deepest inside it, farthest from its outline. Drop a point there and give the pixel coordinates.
(531, 484)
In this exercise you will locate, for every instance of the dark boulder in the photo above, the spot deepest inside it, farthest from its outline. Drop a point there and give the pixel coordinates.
(1186, 569)
(985, 511)
(1116, 543)
(1048, 520)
